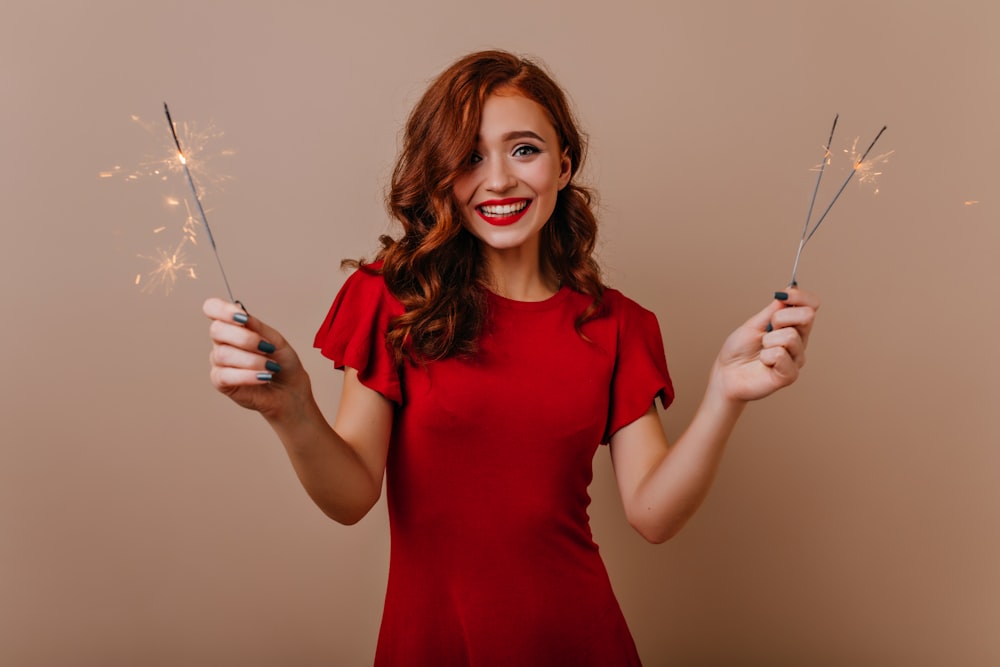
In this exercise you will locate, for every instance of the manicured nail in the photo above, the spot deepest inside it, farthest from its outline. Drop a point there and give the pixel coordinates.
(264, 377)
(770, 328)
(265, 347)
(272, 366)
(781, 296)
(241, 318)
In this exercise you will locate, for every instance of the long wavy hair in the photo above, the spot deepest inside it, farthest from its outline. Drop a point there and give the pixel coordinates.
(437, 268)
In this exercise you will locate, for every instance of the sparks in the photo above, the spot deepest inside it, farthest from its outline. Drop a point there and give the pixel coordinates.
(169, 264)
(200, 150)
(862, 166)
(197, 201)
(868, 170)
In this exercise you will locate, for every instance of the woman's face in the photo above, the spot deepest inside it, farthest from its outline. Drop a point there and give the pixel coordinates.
(509, 189)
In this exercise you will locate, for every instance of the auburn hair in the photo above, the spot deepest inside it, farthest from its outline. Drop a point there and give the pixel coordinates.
(437, 268)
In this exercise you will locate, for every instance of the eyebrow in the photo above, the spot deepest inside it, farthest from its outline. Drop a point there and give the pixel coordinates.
(522, 134)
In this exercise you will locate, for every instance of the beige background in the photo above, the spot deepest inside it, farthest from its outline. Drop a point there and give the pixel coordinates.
(145, 520)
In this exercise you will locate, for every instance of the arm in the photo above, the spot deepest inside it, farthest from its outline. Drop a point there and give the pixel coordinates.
(341, 467)
(662, 485)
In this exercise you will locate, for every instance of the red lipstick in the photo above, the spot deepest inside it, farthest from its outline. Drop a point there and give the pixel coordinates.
(503, 219)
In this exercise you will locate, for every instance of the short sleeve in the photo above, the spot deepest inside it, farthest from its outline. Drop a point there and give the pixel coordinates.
(354, 333)
(640, 373)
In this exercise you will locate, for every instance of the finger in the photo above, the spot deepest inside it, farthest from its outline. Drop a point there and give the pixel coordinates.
(789, 339)
(217, 309)
(800, 318)
(230, 378)
(762, 320)
(230, 333)
(801, 297)
(783, 367)
(226, 356)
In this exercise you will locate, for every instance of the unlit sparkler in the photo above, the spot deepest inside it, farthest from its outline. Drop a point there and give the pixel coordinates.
(197, 201)
(859, 165)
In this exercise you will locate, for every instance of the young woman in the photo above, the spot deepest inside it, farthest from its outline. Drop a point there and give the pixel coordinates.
(484, 363)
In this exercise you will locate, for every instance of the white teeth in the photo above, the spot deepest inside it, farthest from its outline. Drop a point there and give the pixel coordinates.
(506, 209)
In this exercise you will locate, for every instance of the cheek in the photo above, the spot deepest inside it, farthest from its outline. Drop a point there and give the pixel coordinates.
(463, 189)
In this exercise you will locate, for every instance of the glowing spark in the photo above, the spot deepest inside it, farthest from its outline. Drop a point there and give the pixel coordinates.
(169, 264)
(866, 168)
(972, 202)
(158, 230)
(198, 154)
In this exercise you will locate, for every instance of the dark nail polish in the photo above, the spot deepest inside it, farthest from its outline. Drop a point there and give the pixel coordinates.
(265, 347)
(781, 296)
(264, 377)
(241, 318)
(272, 366)
(770, 328)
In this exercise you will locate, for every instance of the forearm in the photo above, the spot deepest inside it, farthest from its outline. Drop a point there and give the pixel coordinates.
(332, 472)
(679, 481)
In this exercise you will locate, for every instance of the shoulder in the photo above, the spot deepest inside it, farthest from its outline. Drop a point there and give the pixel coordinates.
(367, 284)
(620, 308)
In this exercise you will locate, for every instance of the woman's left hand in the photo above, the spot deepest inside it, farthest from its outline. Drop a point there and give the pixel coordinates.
(767, 352)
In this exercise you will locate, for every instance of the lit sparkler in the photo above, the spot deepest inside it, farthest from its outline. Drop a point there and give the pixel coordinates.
(866, 172)
(171, 263)
(197, 201)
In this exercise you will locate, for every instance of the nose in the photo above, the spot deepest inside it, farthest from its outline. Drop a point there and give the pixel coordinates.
(500, 178)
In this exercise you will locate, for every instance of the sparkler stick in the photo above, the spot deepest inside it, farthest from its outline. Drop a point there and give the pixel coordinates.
(812, 200)
(857, 165)
(197, 201)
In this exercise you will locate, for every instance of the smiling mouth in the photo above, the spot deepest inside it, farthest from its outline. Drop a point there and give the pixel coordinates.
(503, 212)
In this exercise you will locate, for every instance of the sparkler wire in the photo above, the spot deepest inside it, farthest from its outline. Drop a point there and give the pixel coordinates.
(197, 200)
(833, 201)
(812, 200)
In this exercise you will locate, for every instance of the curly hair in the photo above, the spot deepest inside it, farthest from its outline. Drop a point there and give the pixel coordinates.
(437, 268)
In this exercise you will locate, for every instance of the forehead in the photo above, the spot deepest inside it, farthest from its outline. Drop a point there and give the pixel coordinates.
(503, 114)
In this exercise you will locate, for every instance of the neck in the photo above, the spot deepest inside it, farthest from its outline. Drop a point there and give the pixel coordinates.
(520, 276)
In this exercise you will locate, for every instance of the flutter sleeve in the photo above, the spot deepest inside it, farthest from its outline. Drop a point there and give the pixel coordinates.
(354, 333)
(640, 373)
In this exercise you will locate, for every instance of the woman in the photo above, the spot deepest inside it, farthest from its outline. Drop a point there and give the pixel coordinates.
(484, 363)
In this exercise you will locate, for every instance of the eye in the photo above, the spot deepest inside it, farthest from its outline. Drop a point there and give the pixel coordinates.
(525, 150)
(475, 159)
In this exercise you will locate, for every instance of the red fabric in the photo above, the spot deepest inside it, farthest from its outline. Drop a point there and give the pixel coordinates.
(492, 559)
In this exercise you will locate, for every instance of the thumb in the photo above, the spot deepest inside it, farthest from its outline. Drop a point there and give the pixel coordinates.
(762, 320)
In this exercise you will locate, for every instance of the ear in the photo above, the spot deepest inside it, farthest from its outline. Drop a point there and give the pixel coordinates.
(565, 169)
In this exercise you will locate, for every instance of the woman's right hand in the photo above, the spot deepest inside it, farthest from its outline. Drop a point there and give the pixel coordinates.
(252, 363)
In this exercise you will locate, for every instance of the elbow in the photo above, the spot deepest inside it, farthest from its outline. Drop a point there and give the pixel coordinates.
(656, 531)
(655, 534)
(348, 514)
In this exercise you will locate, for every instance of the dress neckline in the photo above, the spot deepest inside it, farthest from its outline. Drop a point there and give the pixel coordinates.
(550, 302)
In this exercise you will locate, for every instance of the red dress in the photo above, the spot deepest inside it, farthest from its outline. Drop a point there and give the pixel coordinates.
(492, 560)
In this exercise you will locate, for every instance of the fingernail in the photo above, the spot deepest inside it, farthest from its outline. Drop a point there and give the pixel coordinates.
(241, 318)
(264, 377)
(770, 328)
(272, 366)
(265, 347)
(781, 296)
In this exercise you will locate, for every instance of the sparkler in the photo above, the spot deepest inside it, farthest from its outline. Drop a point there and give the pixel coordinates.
(860, 166)
(201, 210)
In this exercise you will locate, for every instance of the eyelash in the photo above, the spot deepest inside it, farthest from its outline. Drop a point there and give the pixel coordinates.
(522, 150)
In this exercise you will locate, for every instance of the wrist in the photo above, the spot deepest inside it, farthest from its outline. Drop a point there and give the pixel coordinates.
(721, 394)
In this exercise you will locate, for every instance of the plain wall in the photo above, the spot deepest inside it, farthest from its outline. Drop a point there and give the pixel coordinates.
(144, 519)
